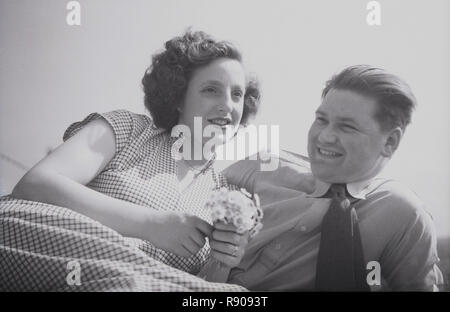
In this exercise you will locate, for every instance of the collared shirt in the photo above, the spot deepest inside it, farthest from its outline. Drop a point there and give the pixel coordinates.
(358, 190)
(396, 230)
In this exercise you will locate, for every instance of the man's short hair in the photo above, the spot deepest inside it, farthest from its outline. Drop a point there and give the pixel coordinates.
(394, 97)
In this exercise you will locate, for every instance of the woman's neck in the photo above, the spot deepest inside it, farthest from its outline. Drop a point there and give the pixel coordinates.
(197, 156)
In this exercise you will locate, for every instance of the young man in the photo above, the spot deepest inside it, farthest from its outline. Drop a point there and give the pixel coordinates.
(342, 227)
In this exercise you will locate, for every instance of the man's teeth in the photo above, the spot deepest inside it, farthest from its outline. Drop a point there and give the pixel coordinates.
(328, 153)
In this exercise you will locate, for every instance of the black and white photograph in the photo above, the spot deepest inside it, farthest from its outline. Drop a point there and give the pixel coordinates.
(236, 147)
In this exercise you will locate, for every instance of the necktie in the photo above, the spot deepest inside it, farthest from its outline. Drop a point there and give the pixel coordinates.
(340, 263)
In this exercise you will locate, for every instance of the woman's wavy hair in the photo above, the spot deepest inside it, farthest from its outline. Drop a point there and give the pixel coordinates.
(166, 80)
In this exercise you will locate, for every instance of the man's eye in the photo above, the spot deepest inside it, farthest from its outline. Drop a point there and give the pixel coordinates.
(348, 128)
(321, 120)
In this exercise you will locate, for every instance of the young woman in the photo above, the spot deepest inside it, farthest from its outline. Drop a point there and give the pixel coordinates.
(118, 167)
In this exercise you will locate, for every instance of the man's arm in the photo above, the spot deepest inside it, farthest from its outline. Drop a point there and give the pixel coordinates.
(409, 261)
(290, 176)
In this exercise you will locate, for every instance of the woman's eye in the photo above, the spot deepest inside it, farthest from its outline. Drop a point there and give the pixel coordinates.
(210, 90)
(238, 94)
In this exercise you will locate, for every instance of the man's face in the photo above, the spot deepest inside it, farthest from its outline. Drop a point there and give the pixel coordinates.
(345, 142)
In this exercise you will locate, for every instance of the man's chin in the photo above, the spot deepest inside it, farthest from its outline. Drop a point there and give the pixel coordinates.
(327, 175)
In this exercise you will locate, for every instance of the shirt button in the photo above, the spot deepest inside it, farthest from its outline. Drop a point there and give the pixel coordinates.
(303, 228)
(278, 246)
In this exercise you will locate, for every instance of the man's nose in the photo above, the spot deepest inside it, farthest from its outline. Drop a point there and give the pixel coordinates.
(327, 135)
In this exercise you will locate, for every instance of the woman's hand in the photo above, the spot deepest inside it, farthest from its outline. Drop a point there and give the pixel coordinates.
(180, 233)
(227, 245)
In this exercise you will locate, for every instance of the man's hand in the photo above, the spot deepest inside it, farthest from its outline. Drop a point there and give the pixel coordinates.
(227, 245)
(180, 233)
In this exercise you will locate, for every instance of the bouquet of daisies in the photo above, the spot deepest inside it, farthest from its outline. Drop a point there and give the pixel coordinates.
(236, 207)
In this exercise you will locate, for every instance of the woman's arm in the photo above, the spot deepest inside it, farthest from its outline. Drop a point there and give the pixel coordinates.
(60, 179)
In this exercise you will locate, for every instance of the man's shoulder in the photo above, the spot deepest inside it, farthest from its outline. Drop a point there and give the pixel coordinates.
(396, 199)
(394, 190)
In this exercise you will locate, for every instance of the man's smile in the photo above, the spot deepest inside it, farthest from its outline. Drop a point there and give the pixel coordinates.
(328, 153)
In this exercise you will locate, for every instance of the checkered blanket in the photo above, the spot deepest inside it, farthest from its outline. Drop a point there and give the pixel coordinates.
(49, 248)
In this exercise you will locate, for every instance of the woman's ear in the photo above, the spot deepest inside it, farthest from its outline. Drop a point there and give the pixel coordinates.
(392, 141)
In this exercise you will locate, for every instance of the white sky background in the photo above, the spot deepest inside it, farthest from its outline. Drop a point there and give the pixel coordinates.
(52, 74)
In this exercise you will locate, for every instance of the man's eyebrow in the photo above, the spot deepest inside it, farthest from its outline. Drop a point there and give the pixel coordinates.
(347, 120)
(340, 119)
(319, 112)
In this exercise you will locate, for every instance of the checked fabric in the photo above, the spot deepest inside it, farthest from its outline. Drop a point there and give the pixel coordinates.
(38, 240)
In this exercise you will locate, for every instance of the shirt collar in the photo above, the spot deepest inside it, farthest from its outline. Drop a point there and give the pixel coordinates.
(357, 190)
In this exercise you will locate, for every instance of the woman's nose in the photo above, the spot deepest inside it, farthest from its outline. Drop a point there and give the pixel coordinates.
(226, 103)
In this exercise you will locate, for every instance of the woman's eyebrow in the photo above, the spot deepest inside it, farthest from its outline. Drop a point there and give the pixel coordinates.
(238, 86)
(219, 83)
(213, 82)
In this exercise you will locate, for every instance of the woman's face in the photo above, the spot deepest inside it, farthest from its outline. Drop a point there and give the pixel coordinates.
(215, 94)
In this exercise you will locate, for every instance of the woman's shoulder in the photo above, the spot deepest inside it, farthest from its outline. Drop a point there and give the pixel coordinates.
(129, 119)
(126, 125)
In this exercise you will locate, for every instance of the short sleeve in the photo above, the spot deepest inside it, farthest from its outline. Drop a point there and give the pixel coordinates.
(410, 259)
(125, 125)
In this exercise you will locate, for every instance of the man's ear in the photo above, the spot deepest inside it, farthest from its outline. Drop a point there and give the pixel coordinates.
(392, 141)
